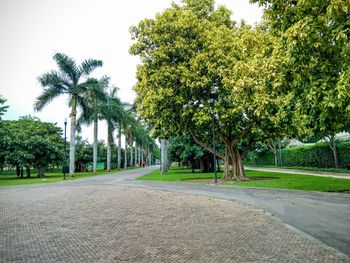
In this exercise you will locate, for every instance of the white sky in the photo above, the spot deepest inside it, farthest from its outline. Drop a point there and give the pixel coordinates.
(31, 31)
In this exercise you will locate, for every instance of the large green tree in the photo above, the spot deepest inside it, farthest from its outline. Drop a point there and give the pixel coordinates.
(198, 70)
(316, 36)
(29, 142)
(71, 80)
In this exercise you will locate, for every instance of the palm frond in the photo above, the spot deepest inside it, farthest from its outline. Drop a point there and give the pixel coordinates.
(89, 65)
(85, 118)
(68, 66)
(55, 79)
(46, 97)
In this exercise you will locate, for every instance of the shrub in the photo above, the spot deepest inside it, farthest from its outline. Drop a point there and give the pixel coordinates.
(317, 155)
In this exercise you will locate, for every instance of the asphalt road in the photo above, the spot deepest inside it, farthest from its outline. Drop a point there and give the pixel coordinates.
(324, 216)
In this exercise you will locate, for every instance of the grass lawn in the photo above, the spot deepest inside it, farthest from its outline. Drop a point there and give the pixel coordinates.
(316, 169)
(10, 178)
(260, 179)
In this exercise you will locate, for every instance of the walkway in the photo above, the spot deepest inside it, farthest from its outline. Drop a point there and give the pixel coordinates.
(110, 219)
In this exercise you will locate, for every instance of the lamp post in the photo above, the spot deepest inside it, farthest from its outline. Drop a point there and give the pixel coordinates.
(65, 149)
(211, 103)
(213, 129)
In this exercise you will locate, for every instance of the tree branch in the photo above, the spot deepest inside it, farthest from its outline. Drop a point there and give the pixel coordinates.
(206, 146)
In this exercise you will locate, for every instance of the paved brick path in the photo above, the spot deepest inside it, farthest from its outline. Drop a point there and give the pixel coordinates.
(106, 223)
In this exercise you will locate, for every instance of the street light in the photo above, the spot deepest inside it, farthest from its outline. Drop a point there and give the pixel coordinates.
(65, 168)
(211, 105)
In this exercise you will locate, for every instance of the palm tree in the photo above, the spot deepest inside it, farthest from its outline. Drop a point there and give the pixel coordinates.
(67, 80)
(113, 113)
(95, 98)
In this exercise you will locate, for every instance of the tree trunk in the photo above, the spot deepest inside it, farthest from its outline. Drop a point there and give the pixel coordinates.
(333, 147)
(233, 164)
(119, 148)
(140, 155)
(22, 172)
(275, 154)
(18, 170)
(28, 171)
(109, 152)
(41, 171)
(72, 138)
(125, 156)
(166, 155)
(94, 169)
(131, 161)
(135, 157)
(164, 162)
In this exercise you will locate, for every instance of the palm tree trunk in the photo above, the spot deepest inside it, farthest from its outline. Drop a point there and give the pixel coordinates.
(119, 147)
(140, 153)
(95, 146)
(164, 164)
(131, 163)
(136, 153)
(125, 156)
(109, 152)
(73, 123)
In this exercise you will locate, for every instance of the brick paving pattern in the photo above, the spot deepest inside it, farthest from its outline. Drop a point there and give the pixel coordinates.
(101, 223)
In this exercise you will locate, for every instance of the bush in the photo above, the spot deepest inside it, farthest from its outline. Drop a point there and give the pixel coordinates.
(317, 155)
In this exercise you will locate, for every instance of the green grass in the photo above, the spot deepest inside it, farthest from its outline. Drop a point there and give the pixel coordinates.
(316, 169)
(10, 178)
(270, 180)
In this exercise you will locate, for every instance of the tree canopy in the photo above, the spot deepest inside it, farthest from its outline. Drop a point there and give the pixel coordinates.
(198, 68)
(29, 142)
(316, 37)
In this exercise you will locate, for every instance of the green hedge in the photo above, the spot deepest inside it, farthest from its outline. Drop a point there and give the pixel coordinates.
(317, 155)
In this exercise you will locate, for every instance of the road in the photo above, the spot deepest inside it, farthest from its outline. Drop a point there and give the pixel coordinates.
(323, 216)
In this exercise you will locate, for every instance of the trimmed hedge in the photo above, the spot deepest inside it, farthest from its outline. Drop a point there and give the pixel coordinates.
(317, 155)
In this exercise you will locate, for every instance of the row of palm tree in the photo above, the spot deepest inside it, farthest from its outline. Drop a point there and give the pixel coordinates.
(95, 102)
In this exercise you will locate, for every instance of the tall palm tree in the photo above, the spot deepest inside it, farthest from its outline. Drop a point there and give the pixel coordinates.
(95, 98)
(72, 80)
(119, 146)
(113, 113)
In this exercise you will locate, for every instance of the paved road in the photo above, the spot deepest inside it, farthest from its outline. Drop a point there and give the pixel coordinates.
(105, 219)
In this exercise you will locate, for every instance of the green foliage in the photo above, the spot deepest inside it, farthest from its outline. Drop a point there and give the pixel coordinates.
(197, 66)
(83, 153)
(318, 155)
(316, 37)
(3, 108)
(183, 149)
(29, 142)
(68, 80)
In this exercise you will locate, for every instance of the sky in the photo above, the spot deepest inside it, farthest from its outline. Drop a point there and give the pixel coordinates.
(31, 31)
